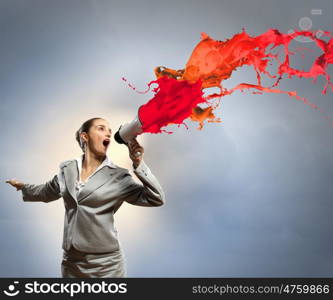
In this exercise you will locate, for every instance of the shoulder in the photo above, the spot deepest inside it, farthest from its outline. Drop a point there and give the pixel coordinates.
(66, 163)
(123, 171)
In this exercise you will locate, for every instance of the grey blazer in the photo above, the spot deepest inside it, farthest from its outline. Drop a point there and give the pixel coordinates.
(89, 223)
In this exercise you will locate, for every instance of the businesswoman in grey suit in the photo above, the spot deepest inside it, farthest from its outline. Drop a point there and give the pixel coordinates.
(93, 189)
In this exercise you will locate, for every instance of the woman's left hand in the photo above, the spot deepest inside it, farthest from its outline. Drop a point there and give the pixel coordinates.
(135, 152)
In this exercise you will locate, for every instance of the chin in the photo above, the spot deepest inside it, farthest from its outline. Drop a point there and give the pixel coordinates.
(100, 153)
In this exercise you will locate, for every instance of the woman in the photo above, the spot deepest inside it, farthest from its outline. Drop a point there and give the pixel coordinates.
(93, 188)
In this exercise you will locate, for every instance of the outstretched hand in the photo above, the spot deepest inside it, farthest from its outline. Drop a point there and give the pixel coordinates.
(135, 152)
(15, 183)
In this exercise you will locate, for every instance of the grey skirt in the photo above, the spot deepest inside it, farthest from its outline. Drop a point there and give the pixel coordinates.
(77, 264)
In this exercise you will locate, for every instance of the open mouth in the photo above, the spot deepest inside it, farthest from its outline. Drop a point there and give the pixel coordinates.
(106, 142)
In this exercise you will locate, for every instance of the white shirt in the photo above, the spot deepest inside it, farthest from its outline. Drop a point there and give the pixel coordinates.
(141, 168)
(78, 183)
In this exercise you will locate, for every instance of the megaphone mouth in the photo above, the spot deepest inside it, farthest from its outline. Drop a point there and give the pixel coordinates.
(118, 138)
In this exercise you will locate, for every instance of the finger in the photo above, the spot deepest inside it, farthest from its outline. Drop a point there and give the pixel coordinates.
(131, 147)
(133, 141)
(136, 150)
(138, 147)
(137, 153)
(135, 157)
(140, 152)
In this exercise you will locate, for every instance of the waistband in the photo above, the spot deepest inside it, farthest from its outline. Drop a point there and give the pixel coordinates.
(73, 252)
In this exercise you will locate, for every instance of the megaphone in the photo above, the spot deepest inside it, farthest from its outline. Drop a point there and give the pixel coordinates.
(128, 131)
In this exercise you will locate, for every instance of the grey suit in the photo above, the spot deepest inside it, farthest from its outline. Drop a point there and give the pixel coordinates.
(89, 223)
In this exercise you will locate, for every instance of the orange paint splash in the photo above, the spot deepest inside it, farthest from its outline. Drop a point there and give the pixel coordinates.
(179, 92)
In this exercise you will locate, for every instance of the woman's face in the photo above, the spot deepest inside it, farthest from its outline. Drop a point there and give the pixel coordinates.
(98, 137)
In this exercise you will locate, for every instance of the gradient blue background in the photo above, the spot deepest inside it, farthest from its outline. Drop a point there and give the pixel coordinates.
(251, 196)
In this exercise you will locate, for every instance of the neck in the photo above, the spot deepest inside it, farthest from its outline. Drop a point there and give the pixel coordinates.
(91, 161)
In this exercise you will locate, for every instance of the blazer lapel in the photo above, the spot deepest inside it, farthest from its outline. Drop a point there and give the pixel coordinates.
(71, 174)
(96, 181)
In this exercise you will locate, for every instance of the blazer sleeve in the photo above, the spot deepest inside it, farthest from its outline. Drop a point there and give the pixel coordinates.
(46, 192)
(149, 193)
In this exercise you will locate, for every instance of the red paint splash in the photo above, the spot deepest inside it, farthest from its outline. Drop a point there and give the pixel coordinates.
(179, 92)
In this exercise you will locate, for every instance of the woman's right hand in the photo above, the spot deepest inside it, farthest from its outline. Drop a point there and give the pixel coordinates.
(15, 183)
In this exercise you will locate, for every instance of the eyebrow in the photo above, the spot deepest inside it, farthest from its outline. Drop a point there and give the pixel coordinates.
(104, 127)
